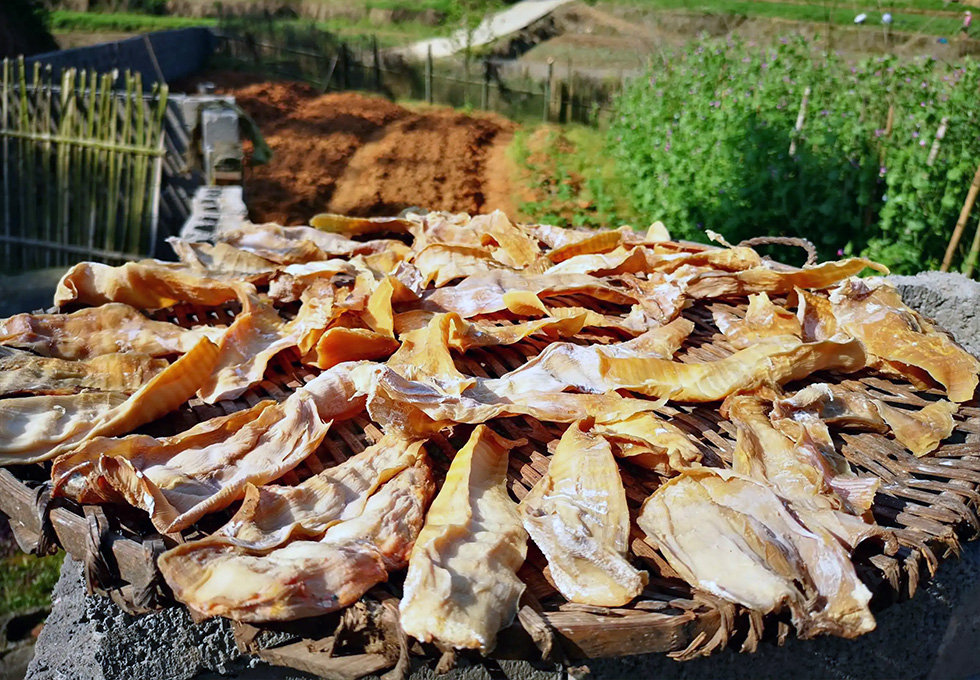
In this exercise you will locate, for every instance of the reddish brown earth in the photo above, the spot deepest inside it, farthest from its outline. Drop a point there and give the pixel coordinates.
(363, 155)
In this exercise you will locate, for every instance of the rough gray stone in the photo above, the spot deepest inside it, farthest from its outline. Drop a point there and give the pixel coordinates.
(952, 300)
(90, 638)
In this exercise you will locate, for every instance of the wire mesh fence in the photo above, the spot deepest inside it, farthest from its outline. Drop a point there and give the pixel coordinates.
(81, 166)
(333, 64)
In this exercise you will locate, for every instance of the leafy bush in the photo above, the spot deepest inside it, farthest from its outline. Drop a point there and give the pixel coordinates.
(703, 141)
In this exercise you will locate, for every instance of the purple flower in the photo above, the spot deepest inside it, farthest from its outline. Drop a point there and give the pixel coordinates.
(915, 134)
(879, 132)
(922, 142)
(882, 170)
(840, 252)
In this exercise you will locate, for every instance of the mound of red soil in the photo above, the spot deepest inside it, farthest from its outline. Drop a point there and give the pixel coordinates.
(363, 155)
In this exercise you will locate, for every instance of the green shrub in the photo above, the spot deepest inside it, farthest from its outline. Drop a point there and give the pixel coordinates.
(703, 142)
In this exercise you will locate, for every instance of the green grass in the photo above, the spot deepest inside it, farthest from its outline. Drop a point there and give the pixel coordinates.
(93, 22)
(26, 581)
(834, 13)
(570, 176)
(388, 35)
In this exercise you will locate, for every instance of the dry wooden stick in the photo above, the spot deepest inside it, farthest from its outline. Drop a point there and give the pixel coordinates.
(940, 133)
(971, 258)
(954, 241)
(800, 118)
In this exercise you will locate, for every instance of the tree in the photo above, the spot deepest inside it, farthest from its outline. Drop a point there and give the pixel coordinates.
(24, 28)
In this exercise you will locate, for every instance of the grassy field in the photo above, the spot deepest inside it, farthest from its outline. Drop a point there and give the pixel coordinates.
(63, 21)
(66, 22)
(945, 22)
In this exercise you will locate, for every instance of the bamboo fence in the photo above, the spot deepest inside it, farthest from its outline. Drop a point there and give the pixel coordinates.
(80, 166)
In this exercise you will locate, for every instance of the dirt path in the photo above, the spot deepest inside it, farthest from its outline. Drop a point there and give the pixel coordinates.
(499, 190)
(361, 155)
(436, 159)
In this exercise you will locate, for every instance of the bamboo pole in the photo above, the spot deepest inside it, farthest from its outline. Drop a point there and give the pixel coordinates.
(485, 91)
(800, 119)
(50, 201)
(428, 75)
(4, 124)
(954, 241)
(83, 143)
(570, 84)
(971, 258)
(125, 163)
(63, 187)
(546, 109)
(78, 207)
(138, 175)
(28, 215)
(153, 58)
(93, 158)
(75, 159)
(377, 63)
(940, 134)
(157, 177)
(112, 204)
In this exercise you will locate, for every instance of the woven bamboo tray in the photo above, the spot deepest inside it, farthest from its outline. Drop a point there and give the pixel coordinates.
(928, 506)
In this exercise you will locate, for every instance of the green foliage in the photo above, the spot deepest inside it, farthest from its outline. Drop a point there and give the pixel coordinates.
(703, 142)
(63, 20)
(26, 581)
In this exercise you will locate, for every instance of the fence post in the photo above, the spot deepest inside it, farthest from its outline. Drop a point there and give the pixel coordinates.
(6, 159)
(547, 90)
(485, 95)
(569, 103)
(377, 63)
(343, 66)
(428, 76)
